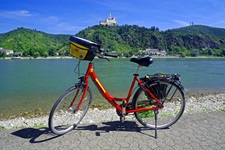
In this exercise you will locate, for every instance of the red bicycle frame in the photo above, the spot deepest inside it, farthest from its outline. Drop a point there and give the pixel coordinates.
(111, 99)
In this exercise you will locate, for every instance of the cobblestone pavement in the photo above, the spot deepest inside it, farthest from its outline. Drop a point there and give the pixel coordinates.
(193, 131)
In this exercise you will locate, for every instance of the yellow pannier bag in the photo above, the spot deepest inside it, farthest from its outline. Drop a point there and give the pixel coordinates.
(82, 48)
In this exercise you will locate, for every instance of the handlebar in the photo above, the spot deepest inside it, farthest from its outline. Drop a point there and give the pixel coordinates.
(110, 55)
(103, 53)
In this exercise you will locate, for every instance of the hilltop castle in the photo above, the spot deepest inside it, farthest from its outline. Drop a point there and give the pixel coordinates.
(110, 21)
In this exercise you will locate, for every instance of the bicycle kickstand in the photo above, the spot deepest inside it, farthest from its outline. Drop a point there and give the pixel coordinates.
(156, 113)
(122, 118)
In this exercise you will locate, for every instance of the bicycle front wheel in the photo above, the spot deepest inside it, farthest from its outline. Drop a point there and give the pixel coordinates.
(68, 112)
(172, 98)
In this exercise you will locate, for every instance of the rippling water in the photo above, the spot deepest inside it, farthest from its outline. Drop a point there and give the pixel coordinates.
(33, 85)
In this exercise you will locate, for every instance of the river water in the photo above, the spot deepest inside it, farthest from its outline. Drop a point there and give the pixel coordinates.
(34, 85)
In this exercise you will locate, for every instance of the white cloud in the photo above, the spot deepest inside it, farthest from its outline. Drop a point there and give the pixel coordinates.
(54, 18)
(182, 23)
(24, 13)
(64, 27)
(16, 14)
(68, 27)
(219, 23)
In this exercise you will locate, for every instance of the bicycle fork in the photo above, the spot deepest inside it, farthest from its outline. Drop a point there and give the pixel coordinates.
(71, 104)
(75, 97)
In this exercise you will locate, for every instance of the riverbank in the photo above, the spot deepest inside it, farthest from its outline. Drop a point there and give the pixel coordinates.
(195, 103)
(20, 58)
(70, 57)
(30, 88)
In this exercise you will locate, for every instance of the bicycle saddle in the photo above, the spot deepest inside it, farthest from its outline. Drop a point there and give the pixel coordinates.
(143, 61)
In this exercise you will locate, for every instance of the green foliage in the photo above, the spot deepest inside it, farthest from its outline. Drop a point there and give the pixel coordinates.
(1, 127)
(40, 125)
(195, 53)
(186, 41)
(222, 109)
(33, 43)
(2, 55)
(125, 40)
(201, 30)
(147, 114)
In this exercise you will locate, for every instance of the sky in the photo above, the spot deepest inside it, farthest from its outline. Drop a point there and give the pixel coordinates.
(72, 16)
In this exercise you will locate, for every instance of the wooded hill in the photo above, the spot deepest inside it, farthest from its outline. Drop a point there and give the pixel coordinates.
(35, 43)
(128, 39)
(186, 41)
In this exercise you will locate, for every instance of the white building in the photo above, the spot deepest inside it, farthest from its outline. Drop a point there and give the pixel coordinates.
(156, 52)
(110, 21)
(8, 52)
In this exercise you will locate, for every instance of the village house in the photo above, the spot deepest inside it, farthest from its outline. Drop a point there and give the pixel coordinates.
(156, 52)
(8, 52)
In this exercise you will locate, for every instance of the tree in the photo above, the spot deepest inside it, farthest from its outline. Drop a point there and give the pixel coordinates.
(25, 54)
(2, 55)
(194, 53)
(52, 52)
(223, 52)
(210, 52)
(36, 54)
(44, 54)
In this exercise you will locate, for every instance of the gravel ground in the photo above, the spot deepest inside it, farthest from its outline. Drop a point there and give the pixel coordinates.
(194, 104)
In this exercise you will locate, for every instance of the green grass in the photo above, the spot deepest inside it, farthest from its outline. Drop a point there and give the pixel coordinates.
(166, 115)
(1, 127)
(147, 114)
(150, 114)
(36, 125)
(222, 109)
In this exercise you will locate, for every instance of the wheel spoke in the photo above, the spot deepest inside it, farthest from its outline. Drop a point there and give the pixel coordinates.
(62, 118)
(173, 101)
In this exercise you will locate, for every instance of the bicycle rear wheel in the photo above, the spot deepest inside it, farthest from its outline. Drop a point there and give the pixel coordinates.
(65, 115)
(172, 97)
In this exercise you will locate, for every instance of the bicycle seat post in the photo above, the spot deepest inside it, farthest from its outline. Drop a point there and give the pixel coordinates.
(137, 71)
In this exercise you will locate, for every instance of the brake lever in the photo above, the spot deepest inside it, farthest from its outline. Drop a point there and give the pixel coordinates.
(107, 59)
(102, 57)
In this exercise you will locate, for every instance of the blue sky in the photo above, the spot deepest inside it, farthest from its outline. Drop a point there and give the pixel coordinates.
(71, 16)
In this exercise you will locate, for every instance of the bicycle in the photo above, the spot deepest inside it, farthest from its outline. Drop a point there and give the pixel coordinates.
(158, 101)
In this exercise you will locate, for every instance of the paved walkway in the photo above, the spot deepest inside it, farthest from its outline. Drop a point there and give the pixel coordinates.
(193, 131)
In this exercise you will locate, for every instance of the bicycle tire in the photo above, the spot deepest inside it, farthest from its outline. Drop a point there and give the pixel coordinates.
(63, 118)
(172, 97)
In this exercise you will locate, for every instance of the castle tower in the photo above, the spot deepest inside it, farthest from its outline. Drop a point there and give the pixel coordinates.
(110, 21)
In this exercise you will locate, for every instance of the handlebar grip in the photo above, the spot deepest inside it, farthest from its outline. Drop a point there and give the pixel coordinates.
(111, 55)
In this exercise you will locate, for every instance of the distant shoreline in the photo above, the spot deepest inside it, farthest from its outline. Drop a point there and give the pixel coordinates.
(26, 58)
(70, 57)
